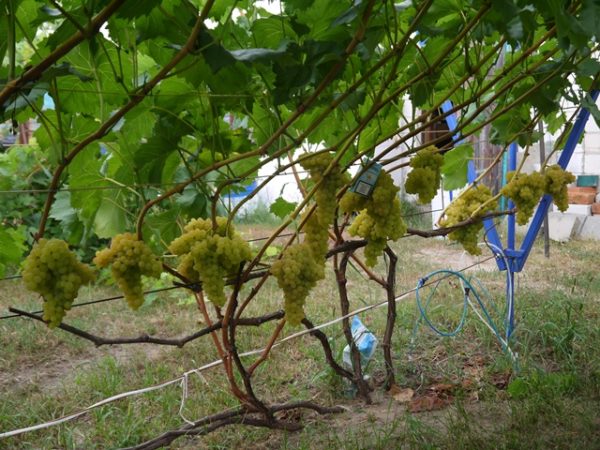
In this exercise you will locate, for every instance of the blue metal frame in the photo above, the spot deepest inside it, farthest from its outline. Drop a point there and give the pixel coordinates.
(516, 259)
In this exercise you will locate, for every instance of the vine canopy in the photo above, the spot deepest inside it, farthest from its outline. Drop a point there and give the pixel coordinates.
(163, 107)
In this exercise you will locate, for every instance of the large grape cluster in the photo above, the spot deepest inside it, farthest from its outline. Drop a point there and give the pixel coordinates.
(297, 272)
(54, 272)
(463, 208)
(130, 258)
(302, 265)
(317, 225)
(525, 190)
(209, 256)
(380, 217)
(556, 185)
(424, 178)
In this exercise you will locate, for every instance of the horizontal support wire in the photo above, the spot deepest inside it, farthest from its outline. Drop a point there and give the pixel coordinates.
(215, 363)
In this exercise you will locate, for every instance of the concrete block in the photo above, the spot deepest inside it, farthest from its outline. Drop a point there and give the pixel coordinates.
(591, 228)
(580, 210)
(562, 226)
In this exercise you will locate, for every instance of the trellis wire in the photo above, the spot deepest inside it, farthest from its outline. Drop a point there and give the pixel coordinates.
(183, 377)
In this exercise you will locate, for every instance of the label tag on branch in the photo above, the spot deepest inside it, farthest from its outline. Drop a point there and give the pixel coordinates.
(365, 183)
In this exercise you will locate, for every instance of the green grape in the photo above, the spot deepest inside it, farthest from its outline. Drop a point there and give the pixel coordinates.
(424, 179)
(380, 217)
(557, 180)
(297, 273)
(54, 272)
(461, 209)
(209, 256)
(130, 258)
(317, 225)
(525, 190)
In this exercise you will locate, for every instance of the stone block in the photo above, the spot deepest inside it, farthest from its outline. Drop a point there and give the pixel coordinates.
(562, 227)
(591, 228)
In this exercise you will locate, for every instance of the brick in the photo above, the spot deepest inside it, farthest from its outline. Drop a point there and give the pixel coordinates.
(582, 189)
(596, 209)
(581, 198)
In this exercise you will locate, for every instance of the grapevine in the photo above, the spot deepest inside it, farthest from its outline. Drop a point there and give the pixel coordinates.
(380, 217)
(210, 255)
(424, 178)
(129, 259)
(54, 272)
(462, 209)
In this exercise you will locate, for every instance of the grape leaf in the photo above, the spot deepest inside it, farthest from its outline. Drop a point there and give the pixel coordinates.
(281, 207)
(455, 166)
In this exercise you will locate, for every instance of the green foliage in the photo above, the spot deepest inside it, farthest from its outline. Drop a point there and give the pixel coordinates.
(456, 163)
(324, 68)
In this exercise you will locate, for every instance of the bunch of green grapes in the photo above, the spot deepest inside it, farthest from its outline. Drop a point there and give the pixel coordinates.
(380, 217)
(130, 258)
(525, 190)
(461, 209)
(54, 272)
(330, 183)
(424, 179)
(297, 273)
(557, 180)
(317, 226)
(209, 256)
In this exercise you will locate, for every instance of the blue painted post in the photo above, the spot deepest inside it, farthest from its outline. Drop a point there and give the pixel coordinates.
(563, 161)
(512, 165)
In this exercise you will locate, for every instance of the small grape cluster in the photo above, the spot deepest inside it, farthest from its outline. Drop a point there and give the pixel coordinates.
(380, 217)
(130, 258)
(209, 256)
(297, 272)
(463, 208)
(54, 272)
(424, 178)
(525, 190)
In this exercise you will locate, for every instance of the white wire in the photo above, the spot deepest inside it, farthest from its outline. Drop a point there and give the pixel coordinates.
(201, 369)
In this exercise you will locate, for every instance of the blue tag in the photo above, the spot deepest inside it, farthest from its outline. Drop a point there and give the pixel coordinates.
(365, 184)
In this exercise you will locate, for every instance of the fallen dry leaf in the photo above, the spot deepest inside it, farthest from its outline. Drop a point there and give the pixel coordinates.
(442, 387)
(430, 402)
(401, 395)
(501, 380)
